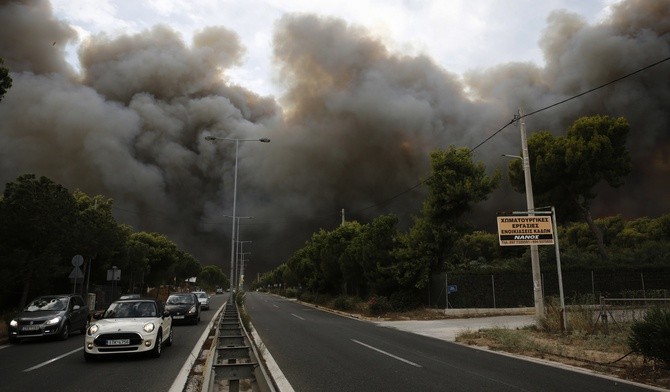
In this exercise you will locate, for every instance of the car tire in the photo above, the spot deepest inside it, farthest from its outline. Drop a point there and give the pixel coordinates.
(14, 340)
(156, 351)
(170, 338)
(64, 332)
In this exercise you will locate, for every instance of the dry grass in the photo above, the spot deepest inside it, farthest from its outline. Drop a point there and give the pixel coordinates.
(608, 354)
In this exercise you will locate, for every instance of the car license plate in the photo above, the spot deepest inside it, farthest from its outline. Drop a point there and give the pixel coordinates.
(178, 317)
(118, 342)
(30, 328)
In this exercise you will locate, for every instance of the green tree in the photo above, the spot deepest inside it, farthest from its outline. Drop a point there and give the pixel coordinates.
(455, 185)
(566, 170)
(372, 253)
(5, 79)
(160, 255)
(36, 219)
(212, 276)
(186, 266)
(97, 234)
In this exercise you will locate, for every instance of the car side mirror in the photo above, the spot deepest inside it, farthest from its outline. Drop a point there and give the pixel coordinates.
(166, 314)
(97, 315)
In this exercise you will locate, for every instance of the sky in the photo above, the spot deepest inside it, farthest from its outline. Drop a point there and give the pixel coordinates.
(459, 35)
(116, 99)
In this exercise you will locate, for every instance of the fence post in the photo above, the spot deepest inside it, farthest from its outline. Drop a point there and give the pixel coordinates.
(493, 287)
(603, 314)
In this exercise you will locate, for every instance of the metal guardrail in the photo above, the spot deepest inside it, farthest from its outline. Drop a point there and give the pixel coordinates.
(235, 363)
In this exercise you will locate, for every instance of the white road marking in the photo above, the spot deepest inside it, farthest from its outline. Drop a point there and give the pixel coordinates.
(276, 306)
(296, 316)
(385, 353)
(52, 360)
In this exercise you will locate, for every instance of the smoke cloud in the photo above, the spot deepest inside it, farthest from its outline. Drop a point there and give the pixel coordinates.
(354, 128)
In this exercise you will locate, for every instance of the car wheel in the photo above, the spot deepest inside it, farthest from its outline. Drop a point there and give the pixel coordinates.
(156, 351)
(170, 338)
(65, 332)
(14, 340)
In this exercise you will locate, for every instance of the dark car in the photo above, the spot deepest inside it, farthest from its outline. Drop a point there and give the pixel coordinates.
(184, 307)
(50, 316)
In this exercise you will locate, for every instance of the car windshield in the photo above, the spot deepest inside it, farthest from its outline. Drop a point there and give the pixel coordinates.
(131, 309)
(202, 295)
(180, 299)
(47, 303)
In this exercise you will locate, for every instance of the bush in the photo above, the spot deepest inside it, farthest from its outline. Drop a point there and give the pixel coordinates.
(344, 303)
(378, 306)
(403, 301)
(291, 292)
(651, 336)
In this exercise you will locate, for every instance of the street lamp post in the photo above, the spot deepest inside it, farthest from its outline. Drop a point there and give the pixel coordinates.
(232, 234)
(241, 254)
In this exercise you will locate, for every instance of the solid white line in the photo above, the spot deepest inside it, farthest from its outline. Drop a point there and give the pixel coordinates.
(296, 316)
(52, 360)
(276, 306)
(385, 353)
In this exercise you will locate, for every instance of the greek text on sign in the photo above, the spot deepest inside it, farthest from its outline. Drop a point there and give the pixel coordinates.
(525, 230)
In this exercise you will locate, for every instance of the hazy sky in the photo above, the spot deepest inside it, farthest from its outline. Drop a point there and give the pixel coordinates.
(459, 35)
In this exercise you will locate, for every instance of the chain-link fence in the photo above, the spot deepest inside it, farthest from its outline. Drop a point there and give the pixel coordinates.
(511, 290)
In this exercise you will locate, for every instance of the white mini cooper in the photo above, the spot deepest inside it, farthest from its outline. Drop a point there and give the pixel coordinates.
(129, 326)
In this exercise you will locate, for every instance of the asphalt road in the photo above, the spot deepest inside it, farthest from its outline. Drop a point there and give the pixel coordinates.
(321, 351)
(47, 365)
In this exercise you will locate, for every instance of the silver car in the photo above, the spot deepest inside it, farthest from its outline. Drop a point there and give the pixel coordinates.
(203, 298)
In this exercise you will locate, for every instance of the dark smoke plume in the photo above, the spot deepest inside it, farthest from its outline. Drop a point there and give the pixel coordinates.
(354, 128)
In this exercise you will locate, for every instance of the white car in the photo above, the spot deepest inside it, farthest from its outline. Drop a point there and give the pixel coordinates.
(203, 298)
(129, 326)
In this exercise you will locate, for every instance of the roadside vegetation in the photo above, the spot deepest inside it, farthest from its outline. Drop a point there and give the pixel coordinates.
(636, 351)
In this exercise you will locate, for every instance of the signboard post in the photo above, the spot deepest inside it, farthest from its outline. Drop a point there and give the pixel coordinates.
(521, 228)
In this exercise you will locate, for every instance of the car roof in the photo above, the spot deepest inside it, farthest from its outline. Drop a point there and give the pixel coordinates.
(137, 300)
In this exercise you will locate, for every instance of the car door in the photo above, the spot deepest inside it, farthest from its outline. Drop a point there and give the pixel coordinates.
(78, 313)
(166, 321)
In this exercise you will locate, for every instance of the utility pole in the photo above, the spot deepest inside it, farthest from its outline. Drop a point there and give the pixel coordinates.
(534, 254)
(342, 217)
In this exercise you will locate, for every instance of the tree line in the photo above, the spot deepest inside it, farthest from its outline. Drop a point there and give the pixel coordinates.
(43, 226)
(377, 259)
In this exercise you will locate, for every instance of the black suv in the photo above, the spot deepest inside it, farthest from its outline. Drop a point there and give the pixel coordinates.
(50, 315)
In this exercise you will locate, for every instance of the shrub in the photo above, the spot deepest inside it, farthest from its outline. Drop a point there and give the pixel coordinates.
(291, 292)
(378, 305)
(402, 301)
(651, 336)
(343, 303)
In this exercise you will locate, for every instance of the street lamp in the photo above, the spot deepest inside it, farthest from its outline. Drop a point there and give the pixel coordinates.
(237, 247)
(232, 234)
(530, 204)
(241, 254)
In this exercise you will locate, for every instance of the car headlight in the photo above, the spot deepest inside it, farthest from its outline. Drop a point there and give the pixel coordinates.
(13, 323)
(149, 327)
(54, 320)
(92, 329)
(192, 310)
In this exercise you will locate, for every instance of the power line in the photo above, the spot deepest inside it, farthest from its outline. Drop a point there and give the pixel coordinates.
(516, 118)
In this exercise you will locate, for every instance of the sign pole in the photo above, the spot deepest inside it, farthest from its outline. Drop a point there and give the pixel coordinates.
(564, 320)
